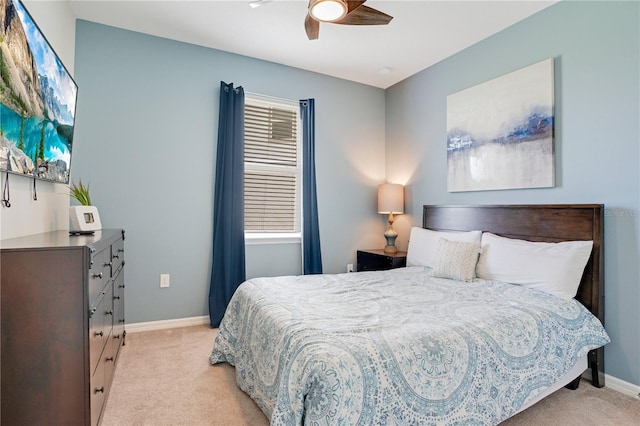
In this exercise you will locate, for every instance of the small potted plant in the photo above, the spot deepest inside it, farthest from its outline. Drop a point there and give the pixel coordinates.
(83, 219)
(81, 193)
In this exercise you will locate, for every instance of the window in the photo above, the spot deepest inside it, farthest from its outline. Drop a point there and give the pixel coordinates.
(272, 170)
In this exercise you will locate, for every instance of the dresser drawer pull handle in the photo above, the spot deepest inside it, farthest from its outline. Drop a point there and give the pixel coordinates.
(109, 359)
(116, 297)
(121, 286)
(99, 333)
(108, 264)
(97, 275)
(122, 320)
(116, 256)
(101, 389)
(108, 312)
(117, 336)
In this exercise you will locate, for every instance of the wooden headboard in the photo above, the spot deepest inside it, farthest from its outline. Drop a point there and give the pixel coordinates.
(539, 222)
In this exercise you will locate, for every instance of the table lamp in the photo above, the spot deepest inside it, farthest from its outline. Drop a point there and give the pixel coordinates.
(390, 201)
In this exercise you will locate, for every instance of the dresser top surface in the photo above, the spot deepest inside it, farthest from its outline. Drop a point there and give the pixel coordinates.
(58, 239)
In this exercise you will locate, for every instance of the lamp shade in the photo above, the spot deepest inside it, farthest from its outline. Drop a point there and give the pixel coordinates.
(328, 10)
(390, 198)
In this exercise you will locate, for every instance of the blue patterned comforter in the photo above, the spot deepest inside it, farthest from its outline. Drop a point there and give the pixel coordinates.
(398, 347)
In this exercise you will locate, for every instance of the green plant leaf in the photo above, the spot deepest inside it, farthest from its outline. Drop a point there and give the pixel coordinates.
(80, 193)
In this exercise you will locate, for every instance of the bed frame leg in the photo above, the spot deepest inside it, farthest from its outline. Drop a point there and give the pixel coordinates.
(573, 385)
(596, 363)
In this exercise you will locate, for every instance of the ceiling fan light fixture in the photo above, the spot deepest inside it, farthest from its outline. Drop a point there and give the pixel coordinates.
(328, 10)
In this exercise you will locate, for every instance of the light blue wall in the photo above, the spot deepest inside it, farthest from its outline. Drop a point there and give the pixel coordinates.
(146, 130)
(596, 50)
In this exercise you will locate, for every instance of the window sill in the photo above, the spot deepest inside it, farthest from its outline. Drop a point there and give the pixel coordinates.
(274, 238)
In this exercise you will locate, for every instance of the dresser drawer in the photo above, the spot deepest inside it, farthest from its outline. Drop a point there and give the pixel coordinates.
(117, 256)
(118, 306)
(98, 393)
(100, 325)
(99, 274)
(116, 341)
(109, 360)
(101, 380)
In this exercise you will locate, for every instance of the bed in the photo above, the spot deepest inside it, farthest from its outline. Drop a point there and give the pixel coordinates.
(409, 346)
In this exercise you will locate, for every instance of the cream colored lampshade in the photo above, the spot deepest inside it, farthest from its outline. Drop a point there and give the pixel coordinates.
(328, 10)
(390, 198)
(390, 201)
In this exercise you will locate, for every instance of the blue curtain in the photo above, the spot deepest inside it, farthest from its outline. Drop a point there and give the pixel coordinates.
(228, 265)
(312, 258)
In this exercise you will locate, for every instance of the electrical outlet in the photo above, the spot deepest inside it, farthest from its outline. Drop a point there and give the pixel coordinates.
(164, 280)
(349, 267)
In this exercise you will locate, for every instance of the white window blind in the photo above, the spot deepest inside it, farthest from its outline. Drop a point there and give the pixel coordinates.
(272, 166)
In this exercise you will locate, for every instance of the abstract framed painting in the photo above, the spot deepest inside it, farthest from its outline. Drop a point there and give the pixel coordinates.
(500, 133)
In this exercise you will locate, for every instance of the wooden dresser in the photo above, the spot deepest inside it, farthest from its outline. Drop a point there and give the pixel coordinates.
(62, 309)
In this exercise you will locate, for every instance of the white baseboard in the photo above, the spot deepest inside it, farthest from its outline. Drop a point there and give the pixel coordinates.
(621, 386)
(137, 327)
(616, 384)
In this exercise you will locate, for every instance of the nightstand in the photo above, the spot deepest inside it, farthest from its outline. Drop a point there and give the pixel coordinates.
(378, 260)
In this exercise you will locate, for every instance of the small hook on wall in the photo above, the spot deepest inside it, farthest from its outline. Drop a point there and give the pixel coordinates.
(5, 193)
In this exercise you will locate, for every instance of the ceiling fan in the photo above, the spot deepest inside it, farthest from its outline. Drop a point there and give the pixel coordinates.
(344, 12)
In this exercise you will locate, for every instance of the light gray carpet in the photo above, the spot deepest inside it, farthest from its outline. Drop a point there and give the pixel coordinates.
(164, 378)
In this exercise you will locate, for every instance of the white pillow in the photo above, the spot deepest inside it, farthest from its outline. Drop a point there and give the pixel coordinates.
(552, 267)
(456, 260)
(423, 244)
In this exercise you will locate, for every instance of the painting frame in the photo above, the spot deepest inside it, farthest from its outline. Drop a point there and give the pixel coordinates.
(501, 133)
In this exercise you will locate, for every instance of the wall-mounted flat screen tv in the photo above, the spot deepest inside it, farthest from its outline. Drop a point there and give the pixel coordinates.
(37, 97)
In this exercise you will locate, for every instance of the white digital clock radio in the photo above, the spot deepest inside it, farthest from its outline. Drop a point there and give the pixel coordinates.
(84, 220)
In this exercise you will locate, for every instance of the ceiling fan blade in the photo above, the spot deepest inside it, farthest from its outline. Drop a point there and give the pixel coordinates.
(365, 15)
(353, 5)
(312, 27)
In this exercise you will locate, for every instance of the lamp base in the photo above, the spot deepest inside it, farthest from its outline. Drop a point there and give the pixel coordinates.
(390, 236)
(390, 249)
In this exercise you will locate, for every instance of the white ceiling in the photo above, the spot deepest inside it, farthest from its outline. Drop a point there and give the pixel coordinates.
(421, 33)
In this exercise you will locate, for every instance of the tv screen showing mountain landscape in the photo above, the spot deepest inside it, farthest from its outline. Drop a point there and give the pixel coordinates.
(38, 99)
